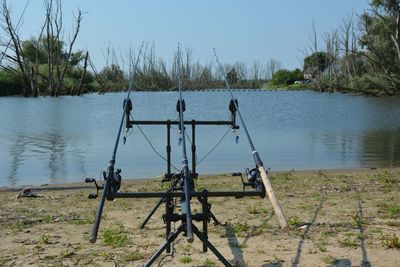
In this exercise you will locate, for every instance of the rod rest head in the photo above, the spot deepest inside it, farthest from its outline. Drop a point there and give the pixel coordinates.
(90, 180)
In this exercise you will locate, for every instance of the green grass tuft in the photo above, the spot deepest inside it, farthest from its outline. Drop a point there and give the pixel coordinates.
(133, 256)
(209, 263)
(348, 242)
(294, 222)
(116, 237)
(391, 241)
(394, 211)
(329, 259)
(185, 259)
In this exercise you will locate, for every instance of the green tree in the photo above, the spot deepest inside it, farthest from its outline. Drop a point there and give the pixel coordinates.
(10, 83)
(114, 76)
(381, 39)
(232, 76)
(286, 77)
(321, 60)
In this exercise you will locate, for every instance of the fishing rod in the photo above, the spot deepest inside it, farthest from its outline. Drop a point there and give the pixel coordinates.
(112, 177)
(185, 167)
(18, 23)
(258, 162)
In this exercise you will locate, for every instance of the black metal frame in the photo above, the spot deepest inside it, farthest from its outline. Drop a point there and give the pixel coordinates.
(171, 216)
(203, 217)
(177, 190)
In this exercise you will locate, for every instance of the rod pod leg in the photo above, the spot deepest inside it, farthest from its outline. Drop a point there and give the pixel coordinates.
(151, 213)
(210, 212)
(164, 246)
(210, 246)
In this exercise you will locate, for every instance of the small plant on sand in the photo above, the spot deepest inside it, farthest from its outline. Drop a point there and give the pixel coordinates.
(3, 261)
(116, 237)
(329, 259)
(186, 247)
(253, 210)
(133, 256)
(48, 218)
(387, 177)
(185, 259)
(240, 229)
(322, 247)
(348, 242)
(68, 253)
(16, 226)
(359, 222)
(209, 263)
(294, 222)
(391, 241)
(258, 230)
(45, 239)
(394, 211)
(107, 256)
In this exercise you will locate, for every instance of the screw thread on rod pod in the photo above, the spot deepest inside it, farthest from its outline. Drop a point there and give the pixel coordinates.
(259, 164)
(185, 167)
(110, 170)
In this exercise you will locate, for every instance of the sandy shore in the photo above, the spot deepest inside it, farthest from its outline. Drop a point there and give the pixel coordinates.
(337, 218)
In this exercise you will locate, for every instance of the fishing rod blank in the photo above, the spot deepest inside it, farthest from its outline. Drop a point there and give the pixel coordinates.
(112, 178)
(259, 164)
(185, 167)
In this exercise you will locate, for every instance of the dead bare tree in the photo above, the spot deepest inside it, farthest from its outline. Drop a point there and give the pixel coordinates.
(272, 66)
(78, 19)
(15, 45)
(49, 42)
(348, 36)
(83, 74)
(332, 45)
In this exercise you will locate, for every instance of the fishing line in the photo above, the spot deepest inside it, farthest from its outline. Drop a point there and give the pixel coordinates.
(253, 150)
(110, 177)
(154, 149)
(212, 149)
(262, 172)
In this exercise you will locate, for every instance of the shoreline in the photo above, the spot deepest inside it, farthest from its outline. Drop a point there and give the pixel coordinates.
(78, 184)
(336, 217)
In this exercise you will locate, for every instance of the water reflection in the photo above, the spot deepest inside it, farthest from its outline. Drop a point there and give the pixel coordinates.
(69, 138)
(57, 164)
(16, 152)
(381, 148)
(27, 150)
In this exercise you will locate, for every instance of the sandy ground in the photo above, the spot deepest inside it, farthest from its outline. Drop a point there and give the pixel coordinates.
(337, 218)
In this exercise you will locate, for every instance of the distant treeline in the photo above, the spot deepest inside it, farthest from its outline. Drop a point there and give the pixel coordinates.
(362, 55)
(153, 73)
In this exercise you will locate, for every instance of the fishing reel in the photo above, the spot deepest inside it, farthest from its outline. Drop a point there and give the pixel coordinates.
(254, 180)
(98, 188)
(115, 183)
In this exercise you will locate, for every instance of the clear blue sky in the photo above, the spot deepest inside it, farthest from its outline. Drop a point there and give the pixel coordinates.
(240, 30)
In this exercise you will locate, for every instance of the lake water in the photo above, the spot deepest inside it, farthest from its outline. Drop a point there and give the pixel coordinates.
(65, 139)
